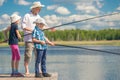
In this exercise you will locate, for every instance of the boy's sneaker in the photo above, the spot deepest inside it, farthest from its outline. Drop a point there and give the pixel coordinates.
(39, 75)
(46, 75)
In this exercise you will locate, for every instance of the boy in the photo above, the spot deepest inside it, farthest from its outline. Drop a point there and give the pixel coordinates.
(40, 43)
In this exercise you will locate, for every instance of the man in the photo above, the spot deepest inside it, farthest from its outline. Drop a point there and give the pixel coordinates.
(28, 26)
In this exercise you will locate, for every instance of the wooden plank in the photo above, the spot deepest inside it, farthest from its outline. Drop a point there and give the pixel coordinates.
(30, 77)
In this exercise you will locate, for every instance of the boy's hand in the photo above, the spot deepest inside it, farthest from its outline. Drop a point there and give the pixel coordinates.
(52, 44)
(42, 42)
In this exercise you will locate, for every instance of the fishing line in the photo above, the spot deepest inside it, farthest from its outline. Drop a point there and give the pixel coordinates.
(78, 47)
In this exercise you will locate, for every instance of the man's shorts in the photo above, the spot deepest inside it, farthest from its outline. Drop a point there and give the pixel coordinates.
(29, 47)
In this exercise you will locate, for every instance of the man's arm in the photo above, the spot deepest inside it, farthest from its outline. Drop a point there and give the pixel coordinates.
(27, 29)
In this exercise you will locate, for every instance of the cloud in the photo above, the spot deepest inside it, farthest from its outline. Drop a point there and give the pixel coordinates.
(118, 8)
(62, 10)
(99, 3)
(68, 27)
(5, 19)
(23, 2)
(52, 7)
(113, 17)
(105, 22)
(52, 20)
(5, 16)
(94, 24)
(71, 1)
(86, 27)
(84, 6)
(16, 13)
(111, 24)
(1, 2)
(87, 9)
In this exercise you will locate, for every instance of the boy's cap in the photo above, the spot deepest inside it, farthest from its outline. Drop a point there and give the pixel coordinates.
(14, 18)
(36, 4)
(40, 20)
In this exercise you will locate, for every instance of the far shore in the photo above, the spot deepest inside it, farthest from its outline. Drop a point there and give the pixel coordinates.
(112, 43)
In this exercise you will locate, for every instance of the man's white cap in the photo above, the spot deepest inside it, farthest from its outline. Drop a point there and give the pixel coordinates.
(40, 20)
(36, 4)
(14, 18)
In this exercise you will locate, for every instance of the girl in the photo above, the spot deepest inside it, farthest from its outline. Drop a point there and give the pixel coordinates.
(14, 35)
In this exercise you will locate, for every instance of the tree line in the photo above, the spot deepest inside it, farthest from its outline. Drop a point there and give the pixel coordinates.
(79, 35)
(84, 35)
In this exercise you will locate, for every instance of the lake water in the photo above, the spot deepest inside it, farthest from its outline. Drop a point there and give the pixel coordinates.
(71, 63)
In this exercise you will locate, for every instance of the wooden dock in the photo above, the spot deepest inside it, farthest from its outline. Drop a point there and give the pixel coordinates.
(30, 77)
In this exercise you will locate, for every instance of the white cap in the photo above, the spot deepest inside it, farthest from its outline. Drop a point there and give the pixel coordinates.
(36, 4)
(14, 18)
(40, 20)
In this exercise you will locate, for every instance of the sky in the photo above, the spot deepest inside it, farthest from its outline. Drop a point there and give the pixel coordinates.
(57, 12)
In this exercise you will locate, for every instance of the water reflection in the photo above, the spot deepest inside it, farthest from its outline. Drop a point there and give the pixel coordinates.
(73, 64)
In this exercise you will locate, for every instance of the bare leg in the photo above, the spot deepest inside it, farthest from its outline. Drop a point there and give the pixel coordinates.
(13, 66)
(16, 65)
(27, 56)
(26, 68)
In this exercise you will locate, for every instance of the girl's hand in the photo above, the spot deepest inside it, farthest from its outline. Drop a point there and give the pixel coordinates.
(19, 37)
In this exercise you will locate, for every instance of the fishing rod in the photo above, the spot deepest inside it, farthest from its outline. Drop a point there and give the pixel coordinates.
(77, 22)
(73, 23)
(83, 20)
(78, 47)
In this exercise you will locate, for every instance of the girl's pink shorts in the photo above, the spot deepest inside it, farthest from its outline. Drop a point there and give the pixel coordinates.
(15, 52)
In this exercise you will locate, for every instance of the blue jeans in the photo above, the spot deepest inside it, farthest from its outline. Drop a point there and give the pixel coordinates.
(40, 61)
